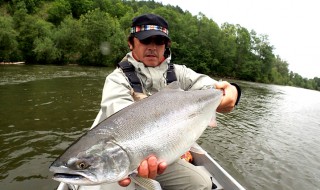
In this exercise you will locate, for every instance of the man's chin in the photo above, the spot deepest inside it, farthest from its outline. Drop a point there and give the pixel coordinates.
(151, 61)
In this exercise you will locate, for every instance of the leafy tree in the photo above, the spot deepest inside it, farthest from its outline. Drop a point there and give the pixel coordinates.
(243, 49)
(30, 5)
(264, 52)
(79, 7)
(317, 83)
(227, 48)
(8, 40)
(235, 52)
(69, 39)
(297, 80)
(250, 70)
(30, 29)
(206, 41)
(115, 8)
(102, 30)
(45, 51)
(19, 17)
(183, 33)
(125, 21)
(280, 71)
(59, 10)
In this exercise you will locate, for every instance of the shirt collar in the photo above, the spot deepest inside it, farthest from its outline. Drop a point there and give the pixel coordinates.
(137, 64)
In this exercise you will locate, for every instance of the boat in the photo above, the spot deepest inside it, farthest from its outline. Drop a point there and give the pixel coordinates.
(220, 177)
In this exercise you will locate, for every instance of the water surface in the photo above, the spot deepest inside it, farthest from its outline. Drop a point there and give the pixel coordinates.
(270, 141)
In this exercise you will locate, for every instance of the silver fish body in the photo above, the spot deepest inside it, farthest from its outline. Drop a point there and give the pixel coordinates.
(165, 125)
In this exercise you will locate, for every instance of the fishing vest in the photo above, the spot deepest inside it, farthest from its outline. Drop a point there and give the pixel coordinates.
(134, 81)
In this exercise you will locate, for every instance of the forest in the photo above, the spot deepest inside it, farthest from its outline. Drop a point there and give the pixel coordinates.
(94, 32)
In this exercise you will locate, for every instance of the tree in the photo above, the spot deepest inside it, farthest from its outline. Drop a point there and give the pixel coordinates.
(69, 39)
(317, 83)
(79, 7)
(59, 10)
(8, 41)
(102, 31)
(183, 31)
(243, 47)
(207, 41)
(280, 71)
(115, 8)
(264, 52)
(45, 51)
(31, 28)
(30, 5)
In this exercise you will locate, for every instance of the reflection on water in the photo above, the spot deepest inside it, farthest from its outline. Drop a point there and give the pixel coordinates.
(270, 141)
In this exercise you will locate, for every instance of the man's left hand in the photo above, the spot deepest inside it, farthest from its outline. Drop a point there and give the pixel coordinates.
(230, 95)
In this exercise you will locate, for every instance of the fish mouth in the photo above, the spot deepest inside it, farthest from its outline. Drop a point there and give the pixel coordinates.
(75, 179)
(67, 176)
(63, 174)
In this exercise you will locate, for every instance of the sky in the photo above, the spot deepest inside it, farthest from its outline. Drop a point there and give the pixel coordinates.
(293, 26)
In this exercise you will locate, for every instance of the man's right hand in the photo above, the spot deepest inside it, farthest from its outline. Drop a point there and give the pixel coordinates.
(148, 168)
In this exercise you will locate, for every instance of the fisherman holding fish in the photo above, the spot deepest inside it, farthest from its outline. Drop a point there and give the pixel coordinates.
(145, 70)
(147, 135)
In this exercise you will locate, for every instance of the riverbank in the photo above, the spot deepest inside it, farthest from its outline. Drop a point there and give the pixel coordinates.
(12, 63)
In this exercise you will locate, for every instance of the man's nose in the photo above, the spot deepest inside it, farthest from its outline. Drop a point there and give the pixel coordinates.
(152, 45)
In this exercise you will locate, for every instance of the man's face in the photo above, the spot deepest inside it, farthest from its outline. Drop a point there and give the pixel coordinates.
(150, 51)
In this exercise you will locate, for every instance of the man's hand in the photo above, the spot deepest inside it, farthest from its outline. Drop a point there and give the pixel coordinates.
(229, 98)
(148, 168)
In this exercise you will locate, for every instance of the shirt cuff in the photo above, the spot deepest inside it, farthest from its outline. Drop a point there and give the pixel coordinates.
(239, 92)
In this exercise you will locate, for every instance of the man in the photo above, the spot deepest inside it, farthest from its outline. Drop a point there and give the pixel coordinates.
(148, 62)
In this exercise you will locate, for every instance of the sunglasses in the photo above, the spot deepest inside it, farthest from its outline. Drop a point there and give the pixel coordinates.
(158, 40)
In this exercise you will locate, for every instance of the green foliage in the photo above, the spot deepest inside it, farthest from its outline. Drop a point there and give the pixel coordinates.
(101, 31)
(79, 7)
(30, 5)
(94, 32)
(69, 38)
(59, 10)
(30, 30)
(45, 51)
(8, 40)
(116, 8)
(316, 83)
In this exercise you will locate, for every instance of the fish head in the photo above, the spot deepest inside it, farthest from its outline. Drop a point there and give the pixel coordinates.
(85, 164)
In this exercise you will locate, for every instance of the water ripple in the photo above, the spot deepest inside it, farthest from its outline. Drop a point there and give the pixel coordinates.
(270, 141)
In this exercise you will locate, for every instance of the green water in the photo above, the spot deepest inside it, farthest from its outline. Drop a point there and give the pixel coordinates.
(270, 141)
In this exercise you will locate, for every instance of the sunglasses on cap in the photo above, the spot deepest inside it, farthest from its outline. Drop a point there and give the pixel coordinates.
(158, 40)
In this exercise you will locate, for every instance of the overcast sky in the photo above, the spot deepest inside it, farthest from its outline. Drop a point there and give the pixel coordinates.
(293, 26)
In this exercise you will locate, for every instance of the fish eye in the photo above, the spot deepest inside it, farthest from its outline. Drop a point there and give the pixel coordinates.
(78, 164)
(82, 165)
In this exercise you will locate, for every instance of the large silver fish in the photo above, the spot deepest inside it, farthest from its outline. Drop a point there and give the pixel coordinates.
(165, 124)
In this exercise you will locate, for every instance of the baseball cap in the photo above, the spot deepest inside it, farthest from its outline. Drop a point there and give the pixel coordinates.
(147, 25)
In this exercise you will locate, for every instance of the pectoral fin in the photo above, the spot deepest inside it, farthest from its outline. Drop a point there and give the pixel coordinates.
(213, 121)
(145, 183)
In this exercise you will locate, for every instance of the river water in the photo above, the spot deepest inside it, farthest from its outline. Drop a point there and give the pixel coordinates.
(270, 141)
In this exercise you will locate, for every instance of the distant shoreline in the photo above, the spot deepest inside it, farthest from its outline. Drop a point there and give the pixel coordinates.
(12, 63)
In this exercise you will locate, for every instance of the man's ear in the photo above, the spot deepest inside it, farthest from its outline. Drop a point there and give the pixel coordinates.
(130, 46)
(168, 44)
